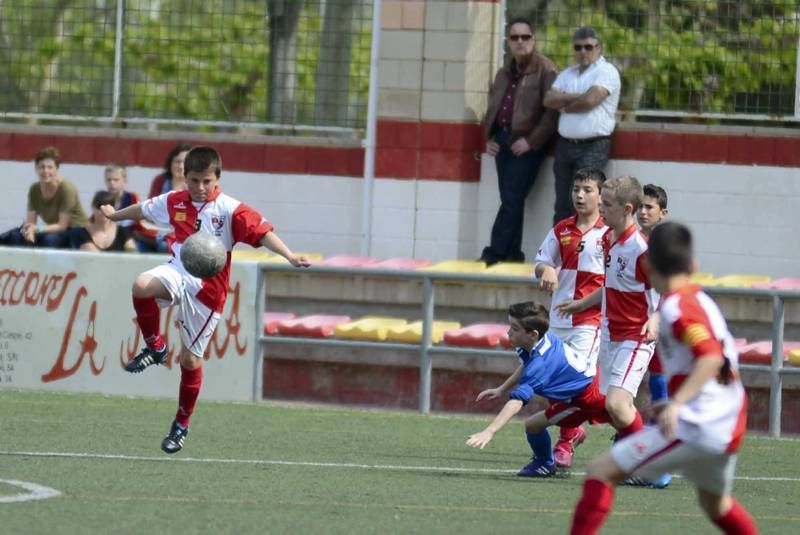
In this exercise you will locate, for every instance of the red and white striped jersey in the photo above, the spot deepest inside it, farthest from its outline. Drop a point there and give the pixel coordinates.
(223, 216)
(580, 257)
(692, 326)
(628, 299)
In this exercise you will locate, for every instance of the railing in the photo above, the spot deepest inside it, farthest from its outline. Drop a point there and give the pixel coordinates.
(426, 348)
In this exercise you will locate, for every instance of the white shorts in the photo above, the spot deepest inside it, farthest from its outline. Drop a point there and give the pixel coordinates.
(583, 339)
(648, 454)
(197, 321)
(623, 364)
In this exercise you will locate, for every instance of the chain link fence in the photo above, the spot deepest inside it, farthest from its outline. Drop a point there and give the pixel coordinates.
(276, 64)
(714, 59)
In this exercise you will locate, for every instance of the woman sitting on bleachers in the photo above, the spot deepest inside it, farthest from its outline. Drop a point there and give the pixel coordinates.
(100, 233)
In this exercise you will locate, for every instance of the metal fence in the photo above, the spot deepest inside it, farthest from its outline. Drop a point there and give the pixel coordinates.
(707, 58)
(427, 350)
(283, 64)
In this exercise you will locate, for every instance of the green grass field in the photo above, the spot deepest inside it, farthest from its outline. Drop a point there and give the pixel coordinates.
(274, 468)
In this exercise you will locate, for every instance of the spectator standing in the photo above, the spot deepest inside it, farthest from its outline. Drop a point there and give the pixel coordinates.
(587, 95)
(150, 238)
(53, 200)
(517, 127)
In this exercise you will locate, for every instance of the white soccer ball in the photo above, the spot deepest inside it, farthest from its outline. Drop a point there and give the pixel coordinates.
(203, 255)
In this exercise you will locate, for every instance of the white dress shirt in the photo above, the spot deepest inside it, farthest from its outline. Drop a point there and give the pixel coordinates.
(599, 121)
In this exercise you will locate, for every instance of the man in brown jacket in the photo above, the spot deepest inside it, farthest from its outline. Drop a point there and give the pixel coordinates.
(517, 127)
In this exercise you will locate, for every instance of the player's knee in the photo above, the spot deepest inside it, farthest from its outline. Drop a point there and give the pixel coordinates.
(713, 505)
(140, 287)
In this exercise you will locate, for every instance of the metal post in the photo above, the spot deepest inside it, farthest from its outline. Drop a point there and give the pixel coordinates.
(369, 142)
(775, 379)
(118, 59)
(797, 80)
(425, 364)
(258, 347)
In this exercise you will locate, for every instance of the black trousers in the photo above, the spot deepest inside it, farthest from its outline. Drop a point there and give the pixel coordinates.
(571, 157)
(515, 177)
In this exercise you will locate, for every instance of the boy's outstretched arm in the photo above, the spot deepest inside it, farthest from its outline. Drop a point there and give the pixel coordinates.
(272, 242)
(479, 440)
(502, 390)
(133, 211)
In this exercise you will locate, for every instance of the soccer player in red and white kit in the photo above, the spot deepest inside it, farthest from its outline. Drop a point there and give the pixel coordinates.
(570, 265)
(627, 333)
(201, 207)
(701, 428)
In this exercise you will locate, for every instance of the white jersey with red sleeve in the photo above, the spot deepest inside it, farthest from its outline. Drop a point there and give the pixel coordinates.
(628, 299)
(693, 327)
(580, 257)
(226, 218)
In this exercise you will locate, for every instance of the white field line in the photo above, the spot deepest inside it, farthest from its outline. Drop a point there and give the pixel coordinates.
(315, 464)
(35, 492)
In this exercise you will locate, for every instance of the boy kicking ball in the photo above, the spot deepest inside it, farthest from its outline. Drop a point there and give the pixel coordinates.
(701, 427)
(548, 368)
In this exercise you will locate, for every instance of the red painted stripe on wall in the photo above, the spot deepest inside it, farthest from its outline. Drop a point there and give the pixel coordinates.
(405, 150)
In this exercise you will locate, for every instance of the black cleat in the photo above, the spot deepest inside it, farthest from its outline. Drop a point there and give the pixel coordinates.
(173, 442)
(147, 357)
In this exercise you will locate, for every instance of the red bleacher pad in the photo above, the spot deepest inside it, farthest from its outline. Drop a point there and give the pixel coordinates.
(348, 261)
(785, 283)
(479, 335)
(761, 352)
(401, 263)
(271, 320)
(316, 325)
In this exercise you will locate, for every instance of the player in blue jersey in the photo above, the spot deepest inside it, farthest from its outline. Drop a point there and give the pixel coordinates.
(550, 369)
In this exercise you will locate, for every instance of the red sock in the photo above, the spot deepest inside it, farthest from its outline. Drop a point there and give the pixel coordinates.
(635, 426)
(187, 396)
(593, 507)
(148, 315)
(568, 433)
(737, 521)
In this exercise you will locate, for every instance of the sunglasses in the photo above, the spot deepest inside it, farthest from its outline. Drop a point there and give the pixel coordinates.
(520, 37)
(586, 47)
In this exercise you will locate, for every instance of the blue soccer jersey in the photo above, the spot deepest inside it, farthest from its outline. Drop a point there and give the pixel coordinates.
(552, 370)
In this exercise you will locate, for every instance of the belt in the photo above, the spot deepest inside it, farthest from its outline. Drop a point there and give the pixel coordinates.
(585, 140)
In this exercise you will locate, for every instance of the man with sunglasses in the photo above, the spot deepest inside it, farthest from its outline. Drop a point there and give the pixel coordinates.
(587, 95)
(517, 126)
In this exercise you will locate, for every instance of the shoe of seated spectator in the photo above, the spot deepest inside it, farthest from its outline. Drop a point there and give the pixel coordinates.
(537, 468)
(564, 449)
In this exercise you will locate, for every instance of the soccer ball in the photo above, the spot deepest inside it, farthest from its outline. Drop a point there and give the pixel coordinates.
(203, 255)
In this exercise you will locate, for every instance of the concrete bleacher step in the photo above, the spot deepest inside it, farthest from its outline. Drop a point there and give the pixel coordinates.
(412, 332)
(760, 352)
(479, 335)
(373, 328)
(315, 325)
(272, 319)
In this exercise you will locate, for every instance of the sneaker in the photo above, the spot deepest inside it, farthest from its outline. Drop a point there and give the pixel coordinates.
(147, 357)
(537, 468)
(660, 482)
(173, 442)
(563, 450)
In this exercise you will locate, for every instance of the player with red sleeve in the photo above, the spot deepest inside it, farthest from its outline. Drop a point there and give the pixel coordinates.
(201, 207)
(701, 427)
(570, 265)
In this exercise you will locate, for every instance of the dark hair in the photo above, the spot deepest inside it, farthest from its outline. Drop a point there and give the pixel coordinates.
(200, 159)
(586, 32)
(669, 248)
(102, 197)
(590, 173)
(177, 149)
(518, 20)
(531, 316)
(48, 153)
(656, 192)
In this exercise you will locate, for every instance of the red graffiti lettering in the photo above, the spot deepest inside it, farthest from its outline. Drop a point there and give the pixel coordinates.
(88, 344)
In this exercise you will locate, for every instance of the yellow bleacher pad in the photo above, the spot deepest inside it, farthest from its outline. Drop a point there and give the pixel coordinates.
(701, 277)
(512, 269)
(368, 328)
(278, 259)
(457, 266)
(412, 332)
(738, 280)
(794, 357)
(256, 255)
